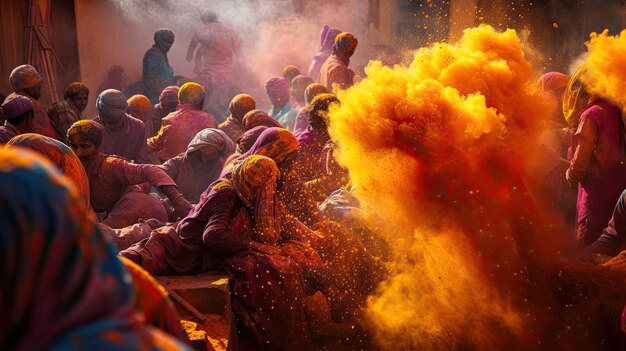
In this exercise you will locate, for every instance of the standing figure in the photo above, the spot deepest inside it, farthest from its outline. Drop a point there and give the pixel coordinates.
(327, 39)
(335, 73)
(157, 72)
(217, 59)
(598, 164)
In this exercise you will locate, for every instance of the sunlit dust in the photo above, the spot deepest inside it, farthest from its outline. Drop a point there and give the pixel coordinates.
(442, 151)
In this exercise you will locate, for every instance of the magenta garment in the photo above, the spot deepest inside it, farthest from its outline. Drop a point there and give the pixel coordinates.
(129, 142)
(192, 182)
(178, 129)
(310, 163)
(302, 122)
(601, 188)
(327, 39)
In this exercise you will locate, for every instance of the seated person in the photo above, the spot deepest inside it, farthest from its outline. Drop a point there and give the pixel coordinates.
(240, 224)
(111, 179)
(18, 111)
(256, 118)
(68, 110)
(179, 127)
(239, 106)
(201, 164)
(124, 135)
(70, 291)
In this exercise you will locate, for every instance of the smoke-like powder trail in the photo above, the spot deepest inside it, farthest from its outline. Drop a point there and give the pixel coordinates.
(442, 153)
(606, 71)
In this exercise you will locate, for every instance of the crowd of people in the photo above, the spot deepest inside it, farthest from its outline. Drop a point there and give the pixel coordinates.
(226, 187)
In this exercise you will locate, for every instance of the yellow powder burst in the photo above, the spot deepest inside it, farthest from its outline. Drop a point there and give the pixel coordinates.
(606, 69)
(442, 153)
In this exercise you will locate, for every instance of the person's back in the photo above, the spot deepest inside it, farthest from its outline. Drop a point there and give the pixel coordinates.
(335, 73)
(179, 127)
(19, 113)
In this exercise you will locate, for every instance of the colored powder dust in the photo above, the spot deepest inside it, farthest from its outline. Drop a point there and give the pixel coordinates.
(443, 158)
(605, 68)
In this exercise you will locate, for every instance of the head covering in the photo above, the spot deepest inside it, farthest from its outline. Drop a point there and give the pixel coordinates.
(169, 96)
(24, 77)
(574, 97)
(16, 105)
(298, 85)
(248, 139)
(212, 137)
(208, 16)
(257, 118)
(290, 72)
(312, 91)
(318, 110)
(59, 273)
(75, 88)
(62, 157)
(254, 181)
(275, 143)
(277, 87)
(86, 129)
(192, 94)
(345, 43)
(164, 38)
(240, 105)
(553, 83)
(327, 37)
(112, 103)
(139, 107)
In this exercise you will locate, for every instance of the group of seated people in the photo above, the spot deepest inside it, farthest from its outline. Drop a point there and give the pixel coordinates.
(247, 197)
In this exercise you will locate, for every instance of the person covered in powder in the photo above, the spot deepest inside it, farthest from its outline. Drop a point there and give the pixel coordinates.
(238, 107)
(289, 72)
(110, 180)
(124, 135)
(64, 287)
(201, 164)
(65, 112)
(327, 39)
(26, 81)
(298, 85)
(555, 141)
(335, 73)
(20, 116)
(168, 101)
(157, 72)
(139, 107)
(277, 90)
(316, 151)
(179, 127)
(217, 59)
(302, 120)
(598, 163)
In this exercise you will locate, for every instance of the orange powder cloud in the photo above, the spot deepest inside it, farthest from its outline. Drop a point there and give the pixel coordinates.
(443, 157)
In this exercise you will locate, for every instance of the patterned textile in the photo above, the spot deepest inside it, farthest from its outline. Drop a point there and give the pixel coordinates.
(257, 118)
(61, 156)
(62, 115)
(66, 287)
